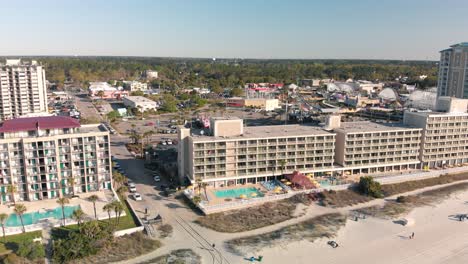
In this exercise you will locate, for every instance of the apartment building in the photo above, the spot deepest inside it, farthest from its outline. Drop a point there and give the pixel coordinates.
(134, 86)
(453, 71)
(47, 157)
(22, 89)
(368, 147)
(233, 154)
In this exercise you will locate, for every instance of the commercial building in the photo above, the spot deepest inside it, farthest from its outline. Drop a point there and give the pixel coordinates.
(47, 157)
(134, 86)
(260, 103)
(233, 154)
(445, 133)
(453, 71)
(140, 102)
(368, 147)
(22, 89)
(109, 92)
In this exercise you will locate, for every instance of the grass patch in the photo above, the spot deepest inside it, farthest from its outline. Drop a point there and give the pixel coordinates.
(396, 188)
(337, 199)
(186, 256)
(404, 204)
(253, 217)
(123, 248)
(312, 229)
(13, 240)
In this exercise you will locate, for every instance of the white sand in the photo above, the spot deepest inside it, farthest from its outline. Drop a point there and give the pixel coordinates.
(438, 239)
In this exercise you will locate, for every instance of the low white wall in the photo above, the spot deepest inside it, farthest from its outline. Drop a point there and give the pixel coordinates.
(128, 231)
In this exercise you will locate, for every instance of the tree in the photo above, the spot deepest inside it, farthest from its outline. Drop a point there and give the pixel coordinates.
(137, 93)
(283, 166)
(204, 185)
(93, 198)
(100, 94)
(196, 199)
(198, 182)
(78, 215)
(112, 116)
(20, 209)
(62, 201)
(30, 250)
(118, 209)
(11, 189)
(236, 92)
(368, 186)
(71, 182)
(108, 208)
(3, 219)
(122, 191)
(118, 178)
(169, 103)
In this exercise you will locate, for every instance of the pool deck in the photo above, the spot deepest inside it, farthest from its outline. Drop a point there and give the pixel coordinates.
(43, 205)
(213, 199)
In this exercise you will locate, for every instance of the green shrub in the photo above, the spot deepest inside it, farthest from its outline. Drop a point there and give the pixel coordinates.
(30, 250)
(401, 199)
(368, 186)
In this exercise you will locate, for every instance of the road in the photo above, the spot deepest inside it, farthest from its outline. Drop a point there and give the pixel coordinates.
(172, 211)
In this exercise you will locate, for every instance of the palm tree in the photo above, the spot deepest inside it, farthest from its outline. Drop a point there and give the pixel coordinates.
(121, 191)
(3, 218)
(118, 209)
(62, 201)
(108, 208)
(71, 182)
(204, 185)
(198, 181)
(118, 178)
(93, 198)
(100, 94)
(78, 215)
(196, 199)
(20, 209)
(283, 165)
(11, 189)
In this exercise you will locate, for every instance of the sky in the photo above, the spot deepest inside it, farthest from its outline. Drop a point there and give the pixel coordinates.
(271, 29)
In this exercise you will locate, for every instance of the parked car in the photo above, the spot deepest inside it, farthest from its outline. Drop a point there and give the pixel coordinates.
(137, 197)
(132, 189)
(157, 178)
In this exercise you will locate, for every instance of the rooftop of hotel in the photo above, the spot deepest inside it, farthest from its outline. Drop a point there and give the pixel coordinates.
(277, 131)
(431, 113)
(366, 126)
(139, 99)
(46, 122)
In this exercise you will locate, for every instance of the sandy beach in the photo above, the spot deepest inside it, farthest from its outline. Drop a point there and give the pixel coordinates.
(438, 238)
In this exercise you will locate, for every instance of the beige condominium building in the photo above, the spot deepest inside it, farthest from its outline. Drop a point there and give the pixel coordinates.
(22, 89)
(47, 157)
(453, 71)
(445, 133)
(231, 154)
(368, 147)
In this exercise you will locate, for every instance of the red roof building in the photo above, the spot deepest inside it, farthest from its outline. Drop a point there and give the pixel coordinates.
(35, 123)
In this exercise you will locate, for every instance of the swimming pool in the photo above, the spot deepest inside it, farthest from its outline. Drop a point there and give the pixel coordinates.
(234, 193)
(34, 217)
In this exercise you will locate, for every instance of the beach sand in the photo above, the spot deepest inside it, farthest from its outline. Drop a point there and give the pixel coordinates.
(438, 238)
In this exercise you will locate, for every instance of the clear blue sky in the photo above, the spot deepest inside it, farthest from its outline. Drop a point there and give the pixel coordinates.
(364, 29)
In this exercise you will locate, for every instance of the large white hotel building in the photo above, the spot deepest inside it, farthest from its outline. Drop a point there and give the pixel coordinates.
(230, 153)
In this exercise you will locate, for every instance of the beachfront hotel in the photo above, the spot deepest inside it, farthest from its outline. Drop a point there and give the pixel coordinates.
(230, 153)
(369, 147)
(47, 157)
(445, 133)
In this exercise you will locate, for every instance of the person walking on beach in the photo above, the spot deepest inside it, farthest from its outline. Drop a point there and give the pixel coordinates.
(412, 235)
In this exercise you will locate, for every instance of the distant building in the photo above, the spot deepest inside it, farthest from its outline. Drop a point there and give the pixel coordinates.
(141, 103)
(134, 86)
(149, 74)
(453, 71)
(261, 103)
(110, 92)
(370, 87)
(201, 90)
(41, 156)
(23, 89)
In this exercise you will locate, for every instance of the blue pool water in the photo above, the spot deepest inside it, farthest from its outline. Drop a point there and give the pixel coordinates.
(34, 217)
(234, 193)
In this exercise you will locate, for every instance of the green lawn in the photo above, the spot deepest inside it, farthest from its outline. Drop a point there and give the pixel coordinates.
(13, 239)
(125, 222)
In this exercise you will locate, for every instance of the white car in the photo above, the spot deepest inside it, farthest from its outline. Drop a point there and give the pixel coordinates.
(169, 142)
(137, 197)
(157, 178)
(132, 189)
